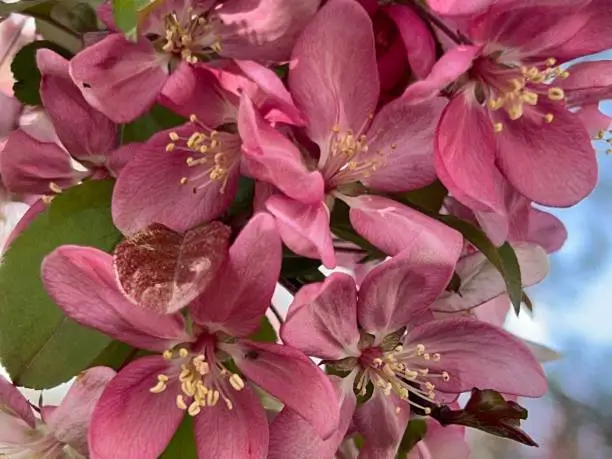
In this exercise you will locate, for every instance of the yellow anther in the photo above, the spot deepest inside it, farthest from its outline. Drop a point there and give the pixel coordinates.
(236, 382)
(556, 94)
(55, 187)
(564, 75)
(600, 135)
(193, 118)
(162, 378)
(170, 147)
(183, 352)
(548, 118)
(173, 136)
(183, 180)
(498, 127)
(194, 409)
(158, 388)
(188, 388)
(427, 410)
(420, 348)
(551, 61)
(436, 357)
(212, 397)
(529, 97)
(445, 376)
(167, 355)
(229, 404)
(180, 402)
(515, 112)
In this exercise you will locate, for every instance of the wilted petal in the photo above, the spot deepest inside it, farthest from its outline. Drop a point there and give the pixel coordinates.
(69, 422)
(476, 354)
(139, 422)
(82, 283)
(239, 433)
(118, 77)
(303, 228)
(163, 271)
(288, 375)
(331, 90)
(85, 132)
(322, 320)
(242, 291)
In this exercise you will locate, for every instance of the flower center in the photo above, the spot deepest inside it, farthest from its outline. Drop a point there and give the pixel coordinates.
(512, 88)
(349, 158)
(202, 382)
(192, 35)
(215, 153)
(404, 372)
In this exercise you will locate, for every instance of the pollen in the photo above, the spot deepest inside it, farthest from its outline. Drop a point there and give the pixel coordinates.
(192, 37)
(556, 94)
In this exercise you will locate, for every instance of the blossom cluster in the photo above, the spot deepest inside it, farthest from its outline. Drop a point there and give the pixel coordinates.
(400, 145)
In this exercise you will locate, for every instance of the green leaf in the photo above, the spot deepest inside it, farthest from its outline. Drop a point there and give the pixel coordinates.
(75, 15)
(341, 227)
(129, 13)
(430, 197)
(414, 433)
(39, 346)
(182, 445)
(8, 8)
(242, 205)
(114, 355)
(265, 333)
(155, 120)
(26, 73)
(503, 258)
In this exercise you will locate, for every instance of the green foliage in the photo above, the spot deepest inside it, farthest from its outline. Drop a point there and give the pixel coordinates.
(429, 198)
(26, 74)
(265, 333)
(341, 227)
(182, 445)
(39, 346)
(414, 433)
(128, 14)
(155, 120)
(114, 355)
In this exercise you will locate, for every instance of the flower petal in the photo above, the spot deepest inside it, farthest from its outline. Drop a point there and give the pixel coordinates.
(139, 422)
(417, 38)
(588, 83)
(405, 132)
(287, 374)
(441, 442)
(303, 228)
(29, 166)
(85, 132)
(271, 157)
(246, 423)
(550, 163)
(149, 188)
(392, 227)
(82, 283)
(241, 293)
(322, 319)
(546, 230)
(69, 422)
(465, 148)
(332, 91)
(13, 401)
(476, 354)
(118, 77)
(396, 291)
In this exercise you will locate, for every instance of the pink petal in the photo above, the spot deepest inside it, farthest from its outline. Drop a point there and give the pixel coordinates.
(9, 117)
(119, 78)
(271, 157)
(13, 402)
(552, 164)
(546, 230)
(287, 374)
(31, 213)
(163, 271)
(482, 282)
(392, 227)
(451, 65)
(335, 85)
(465, 148)
(399, 289)
(405, 132)
(382, 425)
(494, 311)
(196, 90)
(241, 293)
(239, 433)
(82, 283)
(417, 38)
(291, 437)
(594, 120)
(139, 423)
(29, 166)
(85, 132)
(16, 31)
(441, 442)
(69, 422)
(149, 189)
(277, 103)
(588, 83)
(322, 319)
(303, 228)
(264, 31)
(476, 354)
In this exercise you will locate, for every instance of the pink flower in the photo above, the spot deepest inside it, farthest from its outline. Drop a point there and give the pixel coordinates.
(441, 442)
(62, 431)
(191, 375)
(383, 334)
(123, 79)
(337, 88)
(40, 161)
(188, 175)
(508, 119)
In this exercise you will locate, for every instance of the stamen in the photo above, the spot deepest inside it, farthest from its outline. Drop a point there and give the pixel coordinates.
(180, 402)
(556, 94)
(55, 187)
(498, 127)
(236, 382)
(548, 118)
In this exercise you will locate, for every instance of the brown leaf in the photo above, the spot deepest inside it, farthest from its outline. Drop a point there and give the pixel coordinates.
(163, 271)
